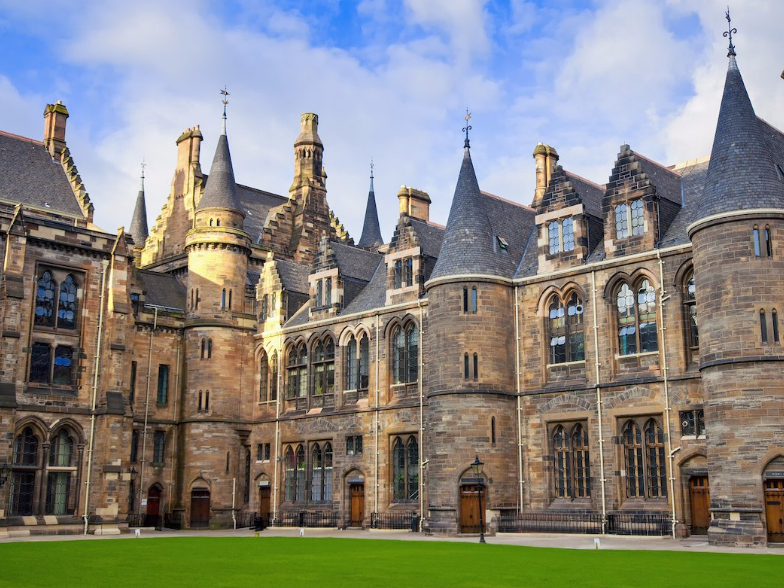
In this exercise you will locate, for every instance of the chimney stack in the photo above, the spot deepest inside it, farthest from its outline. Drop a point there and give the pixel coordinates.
(546, 158)
(415, 203)
(55, 116)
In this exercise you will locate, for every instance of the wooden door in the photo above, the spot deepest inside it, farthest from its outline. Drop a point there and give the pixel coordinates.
(357, 492)
(470, 508)
(699, 494)
(774, 510)
(264, 505)
(200, 508)
(154, 501)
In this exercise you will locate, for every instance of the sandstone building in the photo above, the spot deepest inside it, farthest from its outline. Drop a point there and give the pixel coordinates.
(612, 352)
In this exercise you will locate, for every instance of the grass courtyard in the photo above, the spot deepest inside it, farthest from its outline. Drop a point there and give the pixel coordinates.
(214, 562)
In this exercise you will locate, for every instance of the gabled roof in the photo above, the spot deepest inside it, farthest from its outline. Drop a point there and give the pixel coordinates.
(221, 190)
(293, 275)
(373, 295)
(162, 289)
(30, 176)
(354, 262)
(590, 193)
(572, 189)
(742, 173)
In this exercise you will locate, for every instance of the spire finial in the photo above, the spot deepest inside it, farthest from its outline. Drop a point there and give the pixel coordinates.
(728, 33)
(467, 128)
(144, 165)
(225, 101)
(371, 175)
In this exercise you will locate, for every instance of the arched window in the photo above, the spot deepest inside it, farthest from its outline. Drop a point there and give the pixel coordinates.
(40, 363)
(633, 454)
(319, 294)
(409, 271)
(637, 319)
(264, 308)
(476, 366)
(223, 299)
(197, 298)
(290, 482)
(466, 373)
(58, 483)
(768, 241)
(203, 348)
(352, 366)
(405, 475)
(63, 366)
(364, 362)
(646, 472)
(690, 310)
(201, 401)
(207, 401)
(657, 471)
(66, 308)
(412, 353)
(44, 301)
(263, 379)
(273, 383)
(562, 463)
(399, 355)
(756, 238)
(301, 474)
(316, 474)
(582, 462)
(23, 475)
(298, 372)
(565, 329)
(327, 493)
(568, 234)
(328, 292)
(324, 369)
(399, 274)
(474, 300)
(209, 348)
(763, 326)
(230, 292)
(217, 222)
(775, 321)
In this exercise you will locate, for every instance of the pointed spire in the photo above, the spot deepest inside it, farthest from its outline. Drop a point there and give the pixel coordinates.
(371, 230)
(468, 246)
(741, 173)
(139, 219)
(221, 190)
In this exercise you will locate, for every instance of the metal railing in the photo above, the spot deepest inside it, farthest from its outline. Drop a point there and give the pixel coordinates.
(322, 519)
(245, 520)
(261, 522)
(172, 520)
(395, 520)
(590, 523)
(136, 520)
(550, 522)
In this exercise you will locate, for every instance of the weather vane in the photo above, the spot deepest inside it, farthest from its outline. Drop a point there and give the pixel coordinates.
(467, 127)
(371, 168)
(729, 31)
(225, 100)
(144, 165)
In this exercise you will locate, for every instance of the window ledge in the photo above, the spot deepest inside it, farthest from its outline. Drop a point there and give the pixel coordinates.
(567, 364)
(633, 355)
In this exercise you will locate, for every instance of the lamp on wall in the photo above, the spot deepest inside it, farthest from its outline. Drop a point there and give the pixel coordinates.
(478, 466)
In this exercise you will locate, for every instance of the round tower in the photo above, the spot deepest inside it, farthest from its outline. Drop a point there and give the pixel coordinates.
(470, 366)
(218, 347)
(738, 269)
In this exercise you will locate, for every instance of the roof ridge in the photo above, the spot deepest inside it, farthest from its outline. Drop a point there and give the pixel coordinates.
(654, 162)
(502, 199)
(21, 138)
(584, 179)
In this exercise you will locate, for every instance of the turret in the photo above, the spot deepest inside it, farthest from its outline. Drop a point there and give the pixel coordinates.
(371, 230)
(139, 222)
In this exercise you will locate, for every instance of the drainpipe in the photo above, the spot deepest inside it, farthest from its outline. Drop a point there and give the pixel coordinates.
(234, 501)
(276, 461)
(421, 417)
(519, 403)
(599, 400)
(175, 428)
(670, 451)
(146, 411)
(375, 418)
(104, 264)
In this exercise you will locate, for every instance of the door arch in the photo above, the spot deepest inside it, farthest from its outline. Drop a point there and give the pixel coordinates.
(153, 513)
(699, 500)
(773, 486)
(200, 508)
(473, 498)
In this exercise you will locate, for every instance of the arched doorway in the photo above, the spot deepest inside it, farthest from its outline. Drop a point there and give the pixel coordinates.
(699, 499)
(472, 503)
(152, 517)
(773, 482)
(263, 515)
(355, 487)
(200, 508)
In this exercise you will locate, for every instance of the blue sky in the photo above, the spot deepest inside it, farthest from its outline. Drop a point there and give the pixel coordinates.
(390, 79)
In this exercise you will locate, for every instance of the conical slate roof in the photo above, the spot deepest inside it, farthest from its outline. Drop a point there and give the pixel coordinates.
(468, 246)
(371, 230)
(221, 190)
(741, 173)
(139, 219)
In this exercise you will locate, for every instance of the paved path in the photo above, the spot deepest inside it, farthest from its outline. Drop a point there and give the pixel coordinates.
(695, 543)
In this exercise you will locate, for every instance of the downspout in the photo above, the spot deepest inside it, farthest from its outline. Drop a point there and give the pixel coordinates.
(234, 501)
(421, 416)
(279, 393)
(599, 401)
(175, 428)
(666, 381)
(28, 356)
(519, 403)
(375, 418)
(90, 447)
(146, 411)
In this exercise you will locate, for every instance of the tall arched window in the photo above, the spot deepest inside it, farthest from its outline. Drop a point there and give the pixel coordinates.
(474, 300)
(582, 462)
(298, 372)
(405, 473)
(566, 332)
(637, 319)
(316, 474)
(756, 236)
(399, 355)
(263, 378)
(408, 267)
(203, 348)
(66, 308)
(324, 368)
(273, 384)
(633, 454)
(209, 348)
(327, 492)
(352, 366)
(646, 472)
(319, 294)
(763, 326)
(301, 474)
(290, 482)
(44, 301)
(657, 471)
(25, 468)
(223, 299)
(58, 482)
(364, 362)
(328, 292)
(230, 299)
(412, 353)
(690, 310)
(562, 463)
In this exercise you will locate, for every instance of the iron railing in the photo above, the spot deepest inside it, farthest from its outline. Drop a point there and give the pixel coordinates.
(261, 522)
(395, 520)
(136, 520)
(173, 520)
(318, 519)
(618, 523)
(245, 520)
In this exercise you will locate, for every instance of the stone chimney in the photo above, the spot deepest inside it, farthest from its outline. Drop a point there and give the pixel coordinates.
(415, 203)
(546, 158)
(189, 147)
(55, 116)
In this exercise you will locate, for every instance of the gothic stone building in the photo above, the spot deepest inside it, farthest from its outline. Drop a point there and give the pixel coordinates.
(612, 353)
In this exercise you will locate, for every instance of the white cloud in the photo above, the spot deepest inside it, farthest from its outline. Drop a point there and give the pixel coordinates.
(463, 21)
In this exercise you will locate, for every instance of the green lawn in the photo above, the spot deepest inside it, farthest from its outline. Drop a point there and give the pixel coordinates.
(212, 562)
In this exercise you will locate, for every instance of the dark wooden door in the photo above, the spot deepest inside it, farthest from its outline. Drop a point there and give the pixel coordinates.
(470, 508)
(699, 494)
(200, 508)
(357, 492)
(774, 510)
(152, 517)
(264, 505)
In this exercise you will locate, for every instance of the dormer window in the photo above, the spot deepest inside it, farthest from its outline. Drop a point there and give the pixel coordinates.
(629, 215)
(560, 236)
(503, 244)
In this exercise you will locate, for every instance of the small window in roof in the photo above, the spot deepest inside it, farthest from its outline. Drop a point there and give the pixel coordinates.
(780, 171)
(503, 245)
